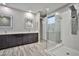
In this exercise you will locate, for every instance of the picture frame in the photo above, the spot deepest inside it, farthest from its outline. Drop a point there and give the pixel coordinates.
(6, 21)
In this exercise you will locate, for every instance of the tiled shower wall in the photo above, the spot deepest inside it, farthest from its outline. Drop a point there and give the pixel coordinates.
(67, 37)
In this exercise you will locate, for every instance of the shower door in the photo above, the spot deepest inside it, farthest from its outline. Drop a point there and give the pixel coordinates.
(53, 31)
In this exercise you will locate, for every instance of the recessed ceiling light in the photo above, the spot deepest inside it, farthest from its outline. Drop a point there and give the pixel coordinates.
(57, 13)
(47, 9)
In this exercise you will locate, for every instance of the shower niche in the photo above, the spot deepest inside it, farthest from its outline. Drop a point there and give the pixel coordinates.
(74, 20)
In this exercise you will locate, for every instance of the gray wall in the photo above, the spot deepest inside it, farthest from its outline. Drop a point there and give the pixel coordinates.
(18, 20)
(68, 39)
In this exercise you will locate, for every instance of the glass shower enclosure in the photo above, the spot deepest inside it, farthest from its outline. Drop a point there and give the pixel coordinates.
(53, 31)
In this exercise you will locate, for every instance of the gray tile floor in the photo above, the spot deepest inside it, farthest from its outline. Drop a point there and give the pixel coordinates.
(34, 49)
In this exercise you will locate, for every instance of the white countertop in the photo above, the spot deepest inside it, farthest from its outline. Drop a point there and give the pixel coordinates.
(17, 33)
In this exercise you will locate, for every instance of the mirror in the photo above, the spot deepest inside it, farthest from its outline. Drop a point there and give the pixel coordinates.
(5, 21)
(29, 18)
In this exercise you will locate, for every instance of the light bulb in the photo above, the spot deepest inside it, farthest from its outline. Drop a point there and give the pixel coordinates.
(47, 9)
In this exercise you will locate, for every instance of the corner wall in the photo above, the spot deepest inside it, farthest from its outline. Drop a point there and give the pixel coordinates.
(67, 38)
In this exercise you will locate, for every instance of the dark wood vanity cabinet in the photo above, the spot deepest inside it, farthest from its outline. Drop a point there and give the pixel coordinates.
(3, 41)
(12, 40)
(30, 38)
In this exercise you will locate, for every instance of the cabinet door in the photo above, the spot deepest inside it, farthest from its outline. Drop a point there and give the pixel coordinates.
(35, 37)
(30, 38)
(3, 42)
(25, 39)
(19, 39)
(11, 41)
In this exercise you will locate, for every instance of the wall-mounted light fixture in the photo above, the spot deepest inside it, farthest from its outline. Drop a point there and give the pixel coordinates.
(43, 13)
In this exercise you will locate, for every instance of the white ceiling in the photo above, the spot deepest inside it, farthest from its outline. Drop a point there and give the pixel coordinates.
(36, 6)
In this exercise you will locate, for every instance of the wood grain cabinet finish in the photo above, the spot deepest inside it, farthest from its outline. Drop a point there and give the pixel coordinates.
(12, 40)
(3, 42)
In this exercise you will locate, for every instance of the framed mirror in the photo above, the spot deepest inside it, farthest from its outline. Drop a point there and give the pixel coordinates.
(29, 18)
(5, 21)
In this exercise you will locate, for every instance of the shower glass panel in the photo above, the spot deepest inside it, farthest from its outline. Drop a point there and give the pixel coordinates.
(53, 31)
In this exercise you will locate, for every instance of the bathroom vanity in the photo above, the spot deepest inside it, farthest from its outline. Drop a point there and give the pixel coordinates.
(12, 40)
